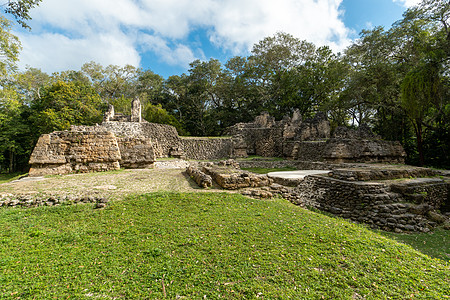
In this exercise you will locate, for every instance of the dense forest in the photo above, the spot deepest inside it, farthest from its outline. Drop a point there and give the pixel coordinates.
(395, 80)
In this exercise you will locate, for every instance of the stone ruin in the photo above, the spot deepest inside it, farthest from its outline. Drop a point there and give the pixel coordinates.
(131, 142)
(64, 152)
(366, 193)
(312, 140)
(120, 141)
(391, 198)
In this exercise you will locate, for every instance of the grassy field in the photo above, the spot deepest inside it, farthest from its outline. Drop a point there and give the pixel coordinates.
(205, 246)
(435, 243)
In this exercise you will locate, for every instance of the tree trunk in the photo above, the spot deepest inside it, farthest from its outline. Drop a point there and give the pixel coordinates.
(11, 161)
(420, 143)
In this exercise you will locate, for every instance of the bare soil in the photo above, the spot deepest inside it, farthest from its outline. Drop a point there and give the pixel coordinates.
(113, 184)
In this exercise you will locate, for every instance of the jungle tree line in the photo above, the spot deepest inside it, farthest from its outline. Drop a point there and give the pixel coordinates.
(395, 80)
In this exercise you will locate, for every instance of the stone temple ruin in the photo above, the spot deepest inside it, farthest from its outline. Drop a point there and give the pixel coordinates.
(120, 141)
(383, 196)
(131, 142)
(311, 140)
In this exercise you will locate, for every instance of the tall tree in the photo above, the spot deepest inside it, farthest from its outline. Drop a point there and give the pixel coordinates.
(9, 48)
(424, 42)
(269, 59)
(66, 103)
(20, 9)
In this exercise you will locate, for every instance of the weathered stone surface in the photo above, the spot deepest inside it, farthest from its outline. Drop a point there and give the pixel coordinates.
(167, 142)
(358, 150)
(136, 111)
(384, 172)
(206, 148)
(63, 152)
(164, 137)
(35, 200)
(141, 143)
(239, 146)
(199, 177)
(137, 153)
(111, 116)
(231, 163)
(311, 140)
(376, 203)
(232, 178)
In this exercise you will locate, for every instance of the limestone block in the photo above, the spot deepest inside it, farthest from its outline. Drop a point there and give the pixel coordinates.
(232, 179)
(136, 152)
(199, 177)
(63, 152)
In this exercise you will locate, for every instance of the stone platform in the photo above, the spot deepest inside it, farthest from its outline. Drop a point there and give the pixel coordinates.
(293, 178)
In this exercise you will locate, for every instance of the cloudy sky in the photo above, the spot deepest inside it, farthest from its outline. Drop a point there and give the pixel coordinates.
(166, 35)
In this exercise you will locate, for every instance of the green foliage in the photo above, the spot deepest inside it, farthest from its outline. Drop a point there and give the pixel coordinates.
(15, 135)
(395, 80)
(9, 48)
(205, 245)
(156, 114)
(20, 9)
(420, 91)
(7, 177)
(64, 104)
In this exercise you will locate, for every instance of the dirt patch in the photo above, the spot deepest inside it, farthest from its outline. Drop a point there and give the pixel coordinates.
(125, 182)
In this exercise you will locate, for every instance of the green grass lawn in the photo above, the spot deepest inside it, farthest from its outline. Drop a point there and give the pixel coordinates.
(205, 246)
(435, 243)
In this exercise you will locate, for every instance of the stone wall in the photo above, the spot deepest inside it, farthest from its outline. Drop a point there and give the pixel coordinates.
(361, 150)
(267, 137)
(380, 172)
(165, 139)
(142, 142)
(378, 204)
(64, 152)
(163, 136)
(137, 153)
(297, 164)
(311, 139)
(206, 148)
(36, 200)
(202, 180)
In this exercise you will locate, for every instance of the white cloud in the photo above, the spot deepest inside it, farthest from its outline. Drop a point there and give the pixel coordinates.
(56, 52)
(240, 24)
(180, 54)
(70, 32)
(408, 3)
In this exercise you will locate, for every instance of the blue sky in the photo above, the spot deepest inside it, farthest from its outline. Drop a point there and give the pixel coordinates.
(166, 35)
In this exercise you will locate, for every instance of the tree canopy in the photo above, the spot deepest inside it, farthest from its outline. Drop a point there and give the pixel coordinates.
(395, 80)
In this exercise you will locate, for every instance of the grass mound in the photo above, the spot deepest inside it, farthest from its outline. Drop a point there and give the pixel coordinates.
(7, 177)
(167, 245)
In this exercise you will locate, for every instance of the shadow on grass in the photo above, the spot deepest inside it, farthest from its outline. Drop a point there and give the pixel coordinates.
(7, 177)
(435, 243)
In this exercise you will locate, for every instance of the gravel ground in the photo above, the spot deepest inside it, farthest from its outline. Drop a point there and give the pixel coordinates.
(113, 184)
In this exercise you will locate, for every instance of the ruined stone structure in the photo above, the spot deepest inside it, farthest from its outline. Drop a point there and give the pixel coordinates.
(202, 180)
(120, 141)
(137, 143)
(231, 178)
(64, 152)
(392, 205)
(311, 140)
